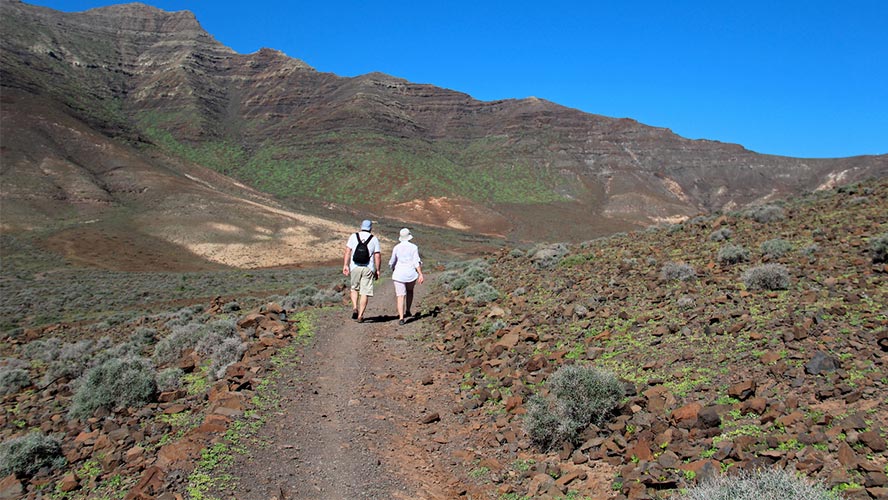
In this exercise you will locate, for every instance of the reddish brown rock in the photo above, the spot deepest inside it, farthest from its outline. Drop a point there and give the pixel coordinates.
(68, 483)
(513, 402)
(847, 456)
(149, 485)
(11, 488)
(686, 416)
(536, 363)
(873, 440)
(641, 450)
(742, 390)
(430, 418)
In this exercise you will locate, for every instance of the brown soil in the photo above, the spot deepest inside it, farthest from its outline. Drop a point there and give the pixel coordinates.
(351, 417)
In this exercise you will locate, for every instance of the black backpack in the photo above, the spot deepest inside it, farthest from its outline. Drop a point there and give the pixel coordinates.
(361, 255)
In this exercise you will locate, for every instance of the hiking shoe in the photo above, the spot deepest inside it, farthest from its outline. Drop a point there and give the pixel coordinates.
(355, 314)
(401, 322)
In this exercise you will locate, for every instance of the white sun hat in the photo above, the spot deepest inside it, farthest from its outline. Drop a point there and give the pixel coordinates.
(405, 235)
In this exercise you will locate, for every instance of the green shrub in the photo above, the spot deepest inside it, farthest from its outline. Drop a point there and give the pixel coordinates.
(222, 353)
(879, 248)
(186, 315)
(13, 380)
(28, 454)
(461, 275)
(579, 396)
(765, 213)
(143, 336)
(116, 382)
(73, 359)
(184, 337)
(764, 484)
(766, 277)
(776, 248)
(721, 234)
(677, 271)
(732, 254)
(811, 249)
(542, 423)
(685, 302)
(45, 350)
(309, 296)
(482, 293)
(546, 256)
(169, 379)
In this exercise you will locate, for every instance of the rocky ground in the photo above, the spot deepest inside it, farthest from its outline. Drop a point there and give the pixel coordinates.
(718, 377)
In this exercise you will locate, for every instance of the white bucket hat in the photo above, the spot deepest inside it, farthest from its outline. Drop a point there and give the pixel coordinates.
(405, 235)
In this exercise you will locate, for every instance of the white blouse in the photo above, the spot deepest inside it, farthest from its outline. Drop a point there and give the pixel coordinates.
(404, 261)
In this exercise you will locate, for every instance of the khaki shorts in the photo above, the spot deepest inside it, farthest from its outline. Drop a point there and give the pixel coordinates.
(402, 288)
(362, 280)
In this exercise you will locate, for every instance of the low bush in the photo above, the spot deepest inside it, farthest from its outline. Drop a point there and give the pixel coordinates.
(685, 302)
(144, 336)
(186, 315)
(27, 454)
(546, 256)
(879, 248)
(677, 271)
(116, 382)
(73, 359)
(309, 296)
(776, 248)
(732, 254)
(579, 396)
(721, 234)
(765, 213)
(12, 380)
(766, 277)
(169, 379)
(222, 353)
(811, 250)
(44, 350)
(764, 484)
(184, 337)
(482, 293)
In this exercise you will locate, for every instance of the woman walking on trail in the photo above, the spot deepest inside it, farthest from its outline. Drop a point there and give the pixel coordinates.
(406, 272)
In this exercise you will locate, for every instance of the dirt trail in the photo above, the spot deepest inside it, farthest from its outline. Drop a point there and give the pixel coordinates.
(353, 415)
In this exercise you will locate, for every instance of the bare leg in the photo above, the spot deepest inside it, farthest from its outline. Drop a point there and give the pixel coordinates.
(362, 306)
(354, 298)
(409, 298)
(400, 307)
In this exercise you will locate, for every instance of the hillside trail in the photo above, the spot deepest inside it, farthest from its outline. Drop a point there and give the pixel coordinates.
(364, 414)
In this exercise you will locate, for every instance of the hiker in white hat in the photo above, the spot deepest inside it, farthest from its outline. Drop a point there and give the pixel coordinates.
(406, 272)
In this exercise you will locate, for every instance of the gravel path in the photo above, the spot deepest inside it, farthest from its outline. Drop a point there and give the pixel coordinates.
(357, 416)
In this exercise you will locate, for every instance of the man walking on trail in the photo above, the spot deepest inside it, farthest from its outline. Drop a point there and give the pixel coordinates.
(361, 262)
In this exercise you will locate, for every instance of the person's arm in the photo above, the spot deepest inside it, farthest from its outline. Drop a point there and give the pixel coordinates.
(377, 259)
(394, 260)
(345, 259)
(418, 261)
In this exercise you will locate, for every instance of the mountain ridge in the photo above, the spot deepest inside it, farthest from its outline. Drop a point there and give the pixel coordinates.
(377, 143)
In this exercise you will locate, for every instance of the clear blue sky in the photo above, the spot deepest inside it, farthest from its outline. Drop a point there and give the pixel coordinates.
(795, 78)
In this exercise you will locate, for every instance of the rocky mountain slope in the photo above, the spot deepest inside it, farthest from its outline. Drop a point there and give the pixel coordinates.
(718, 375)
(744, 340)
(526, 169)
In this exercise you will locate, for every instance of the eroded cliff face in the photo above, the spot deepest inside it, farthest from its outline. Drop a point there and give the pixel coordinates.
(135, 72)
